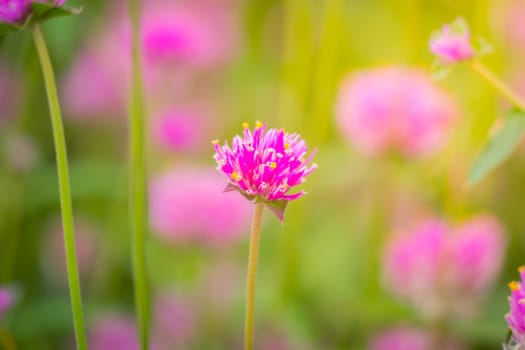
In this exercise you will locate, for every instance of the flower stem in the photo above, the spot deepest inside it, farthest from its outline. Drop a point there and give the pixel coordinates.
(251, 277)
(138, 183)
(6, 340)
(498, 84)
(64, 187)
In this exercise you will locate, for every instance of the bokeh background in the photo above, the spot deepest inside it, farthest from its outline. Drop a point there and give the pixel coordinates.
(209, 66)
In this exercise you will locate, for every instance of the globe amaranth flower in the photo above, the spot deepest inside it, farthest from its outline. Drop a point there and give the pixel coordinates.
(394, 109)
(264, 165)
(445, 270)
(452, 44)
(199, 190)
(16, 12)
(516, 316)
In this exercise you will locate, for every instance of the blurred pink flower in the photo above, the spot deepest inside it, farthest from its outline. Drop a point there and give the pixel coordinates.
(53, 253)
(179, 130)
(394, 109)
(406, 338)
(401, 338)
(14, 11)
(112, 332)
(90, 90)
(179, 40)
(452, 43)
(200, 33)
(17, 11)
(6, 301)
(173, 327)
(516, 316)
(174, 322)
(265, 165)
(442, 270)
(188, 204)
(21, 152)
(508, 18)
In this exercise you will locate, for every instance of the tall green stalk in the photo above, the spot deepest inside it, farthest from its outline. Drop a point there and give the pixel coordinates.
(498, 84)
(64, 187)
(138, 183)
(251, 276)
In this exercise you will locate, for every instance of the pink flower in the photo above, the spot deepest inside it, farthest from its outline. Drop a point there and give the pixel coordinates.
(174, 322)
(113, 331)
(17, 11)
(91, 90)
(402, 338)
(452, 44)
(172, 327)
(265, 165)
(14, 11)
(516, 316)
(445, 270)
(406, 338)
(187, 204)
(179, 130)
(199, 33)
(21, 152)
(6, 301)
(394, 109)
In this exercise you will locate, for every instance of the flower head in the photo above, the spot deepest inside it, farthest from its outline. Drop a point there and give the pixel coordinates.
(199, 190)
(264, 165)
(394, 109)
(442, 269)
(14, 11)
(516, 316)
(452, 43)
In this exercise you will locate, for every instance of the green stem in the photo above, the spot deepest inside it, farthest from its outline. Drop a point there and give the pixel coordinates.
(138, 184)
(251, 277)
(498, 84)
(6, 340)
(64, 187)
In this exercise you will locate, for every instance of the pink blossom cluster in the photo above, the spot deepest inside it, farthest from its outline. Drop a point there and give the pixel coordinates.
(16, 11)
(394, 109)
(173, 327)
(452, 44)
(187, 204)
(265, 164)
(182, 42)
(442, 269)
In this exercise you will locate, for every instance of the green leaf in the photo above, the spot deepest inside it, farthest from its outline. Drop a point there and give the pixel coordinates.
(45, 11)
(499, 147)
(277, 207)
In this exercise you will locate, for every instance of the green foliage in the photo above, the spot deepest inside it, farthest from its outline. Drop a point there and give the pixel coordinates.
(499, 147)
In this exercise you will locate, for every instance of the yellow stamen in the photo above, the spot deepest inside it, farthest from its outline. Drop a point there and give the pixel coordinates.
(214, 142)
(236, 176)
(272, 165)
(286, 145)
(258, 124)
(514, 286)
(245, 125)
(521, 269)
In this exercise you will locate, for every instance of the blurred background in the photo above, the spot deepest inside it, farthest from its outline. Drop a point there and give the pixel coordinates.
(389, 246)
